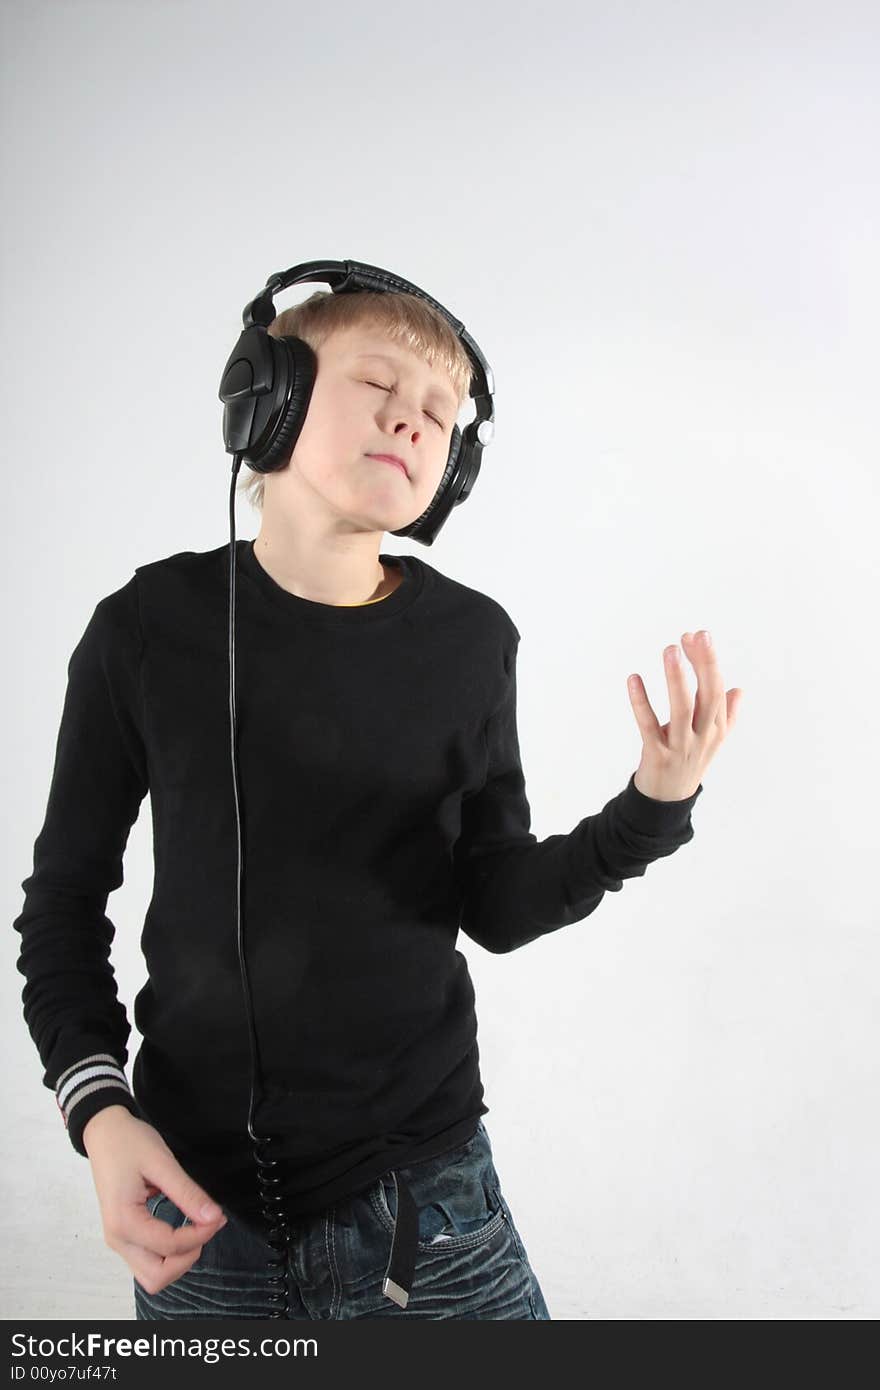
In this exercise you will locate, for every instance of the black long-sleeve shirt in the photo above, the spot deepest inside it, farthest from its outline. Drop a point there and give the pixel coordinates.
(383, 808)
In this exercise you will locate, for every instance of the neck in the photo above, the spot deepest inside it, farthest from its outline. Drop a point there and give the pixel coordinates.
(339, 574)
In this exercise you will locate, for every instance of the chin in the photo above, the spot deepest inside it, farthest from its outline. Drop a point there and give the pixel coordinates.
(375, 521)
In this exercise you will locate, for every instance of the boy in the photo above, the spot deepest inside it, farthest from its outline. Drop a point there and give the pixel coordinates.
(384, 808)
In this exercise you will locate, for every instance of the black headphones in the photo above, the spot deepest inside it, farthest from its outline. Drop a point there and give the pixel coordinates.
(266, 388)
(267, 385)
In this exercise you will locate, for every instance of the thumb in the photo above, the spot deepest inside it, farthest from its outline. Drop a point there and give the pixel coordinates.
(186, 1193)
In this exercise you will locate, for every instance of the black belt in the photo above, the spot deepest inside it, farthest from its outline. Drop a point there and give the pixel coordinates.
(401, 1266)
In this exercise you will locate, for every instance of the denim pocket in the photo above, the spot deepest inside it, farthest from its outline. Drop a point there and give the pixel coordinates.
(457, 1194)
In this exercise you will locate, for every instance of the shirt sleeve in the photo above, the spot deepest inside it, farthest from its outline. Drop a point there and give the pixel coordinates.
(99, 780)
(516, 888)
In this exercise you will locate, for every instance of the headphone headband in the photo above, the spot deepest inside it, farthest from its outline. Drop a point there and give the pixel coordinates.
(347, 277)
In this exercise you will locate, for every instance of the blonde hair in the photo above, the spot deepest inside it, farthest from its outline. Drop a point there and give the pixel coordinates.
(403, 317)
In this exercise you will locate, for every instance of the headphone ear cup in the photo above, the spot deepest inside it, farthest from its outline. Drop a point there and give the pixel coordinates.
(451, 461)
(296, 368)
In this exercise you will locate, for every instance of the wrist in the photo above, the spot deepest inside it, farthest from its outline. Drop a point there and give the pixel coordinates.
(650, 788)
(106, 1119)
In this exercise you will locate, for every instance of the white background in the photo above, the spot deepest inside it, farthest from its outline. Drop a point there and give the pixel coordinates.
(659, 221)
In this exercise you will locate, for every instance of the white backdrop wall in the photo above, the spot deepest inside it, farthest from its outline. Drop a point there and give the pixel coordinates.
(660, 223)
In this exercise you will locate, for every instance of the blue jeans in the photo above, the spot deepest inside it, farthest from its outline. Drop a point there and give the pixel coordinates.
(470, 1261)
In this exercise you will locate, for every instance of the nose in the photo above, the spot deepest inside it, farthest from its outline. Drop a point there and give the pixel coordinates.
(397, 416)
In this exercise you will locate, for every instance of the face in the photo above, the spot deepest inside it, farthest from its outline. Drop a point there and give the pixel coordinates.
(372, 396)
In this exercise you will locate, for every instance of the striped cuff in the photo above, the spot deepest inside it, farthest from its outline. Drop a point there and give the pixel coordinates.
(87, 1087)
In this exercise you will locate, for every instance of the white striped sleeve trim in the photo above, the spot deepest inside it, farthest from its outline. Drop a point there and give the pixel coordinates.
(99, 1072)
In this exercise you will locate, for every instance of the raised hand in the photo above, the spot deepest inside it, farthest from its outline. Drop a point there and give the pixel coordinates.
(675, 755)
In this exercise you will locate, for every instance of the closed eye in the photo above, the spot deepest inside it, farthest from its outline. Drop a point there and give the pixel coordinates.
(388, 388)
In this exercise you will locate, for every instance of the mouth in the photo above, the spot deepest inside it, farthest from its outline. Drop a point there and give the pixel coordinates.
(391, 458)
